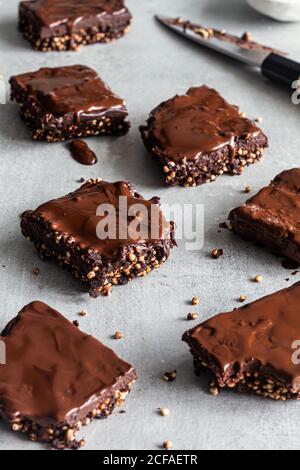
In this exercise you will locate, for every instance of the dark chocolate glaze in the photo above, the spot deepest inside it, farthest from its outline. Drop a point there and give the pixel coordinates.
(73, 89)
(75, 215)
(54, 373)
(197, 123)
(262, 331)
(72, 15)
(82, 153)
(272, 216)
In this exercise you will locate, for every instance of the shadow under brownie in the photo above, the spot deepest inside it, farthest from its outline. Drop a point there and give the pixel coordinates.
(272, 217)
(55, 25)
(67, 230)
(253, 348)
(199, 136)
(63, 103)
(56, 378)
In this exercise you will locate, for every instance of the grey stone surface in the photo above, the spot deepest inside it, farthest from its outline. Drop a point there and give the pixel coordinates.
(148, 66)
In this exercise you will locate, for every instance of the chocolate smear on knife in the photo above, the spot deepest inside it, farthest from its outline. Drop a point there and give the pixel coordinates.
(207, 33)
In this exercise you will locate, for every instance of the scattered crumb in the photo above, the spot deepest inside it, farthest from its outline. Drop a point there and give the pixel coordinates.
(195, 301)
(247, 36)
(214, 391)
(83, 313)
(170, 376)
(81, 180)
(217, 252)
(258, 278)
(76, 323)
(122, 412)
(242, 298)
(248, 189)
(258, 119)
(293, 273)
(164, 411)
(192, 316)
(36, 271)
(168, 445)
(118, 335)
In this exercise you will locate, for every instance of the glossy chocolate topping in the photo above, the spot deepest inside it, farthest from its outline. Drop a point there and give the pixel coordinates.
(73, 89)
(198, 123)
(264, 330)
(82, 153)
(75, 215)
(53, 371)
(276, 205)
(53, 13)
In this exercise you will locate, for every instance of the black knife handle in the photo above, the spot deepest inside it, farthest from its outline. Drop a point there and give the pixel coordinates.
(281, 69)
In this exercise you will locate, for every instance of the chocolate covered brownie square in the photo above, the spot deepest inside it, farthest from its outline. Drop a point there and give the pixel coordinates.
(56, 379)
(63, 103)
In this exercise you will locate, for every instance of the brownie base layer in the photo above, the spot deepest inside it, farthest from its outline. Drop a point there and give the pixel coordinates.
(250, 377)
(63, 436)
(74, 41)
(209, 166)
(99, 274)
(46, 126)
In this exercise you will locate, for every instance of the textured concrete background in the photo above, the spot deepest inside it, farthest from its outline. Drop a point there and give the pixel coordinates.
(146, 67)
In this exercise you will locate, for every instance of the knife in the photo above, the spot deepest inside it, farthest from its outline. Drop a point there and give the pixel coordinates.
(272, 64)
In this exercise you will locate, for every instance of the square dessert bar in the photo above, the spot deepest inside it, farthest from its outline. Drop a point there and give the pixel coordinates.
(57, 25)
(199, 136)
(67, 230)
(254, 348)
(56, 378)
(272, 217)
(67, 102)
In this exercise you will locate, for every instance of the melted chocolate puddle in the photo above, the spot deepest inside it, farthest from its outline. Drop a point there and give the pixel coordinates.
(82, 153)
(289, 264)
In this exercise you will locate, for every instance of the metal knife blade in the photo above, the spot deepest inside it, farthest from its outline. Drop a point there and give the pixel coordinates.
(248, 56)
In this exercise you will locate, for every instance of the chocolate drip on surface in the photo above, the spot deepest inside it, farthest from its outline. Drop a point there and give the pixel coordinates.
(82, 153)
